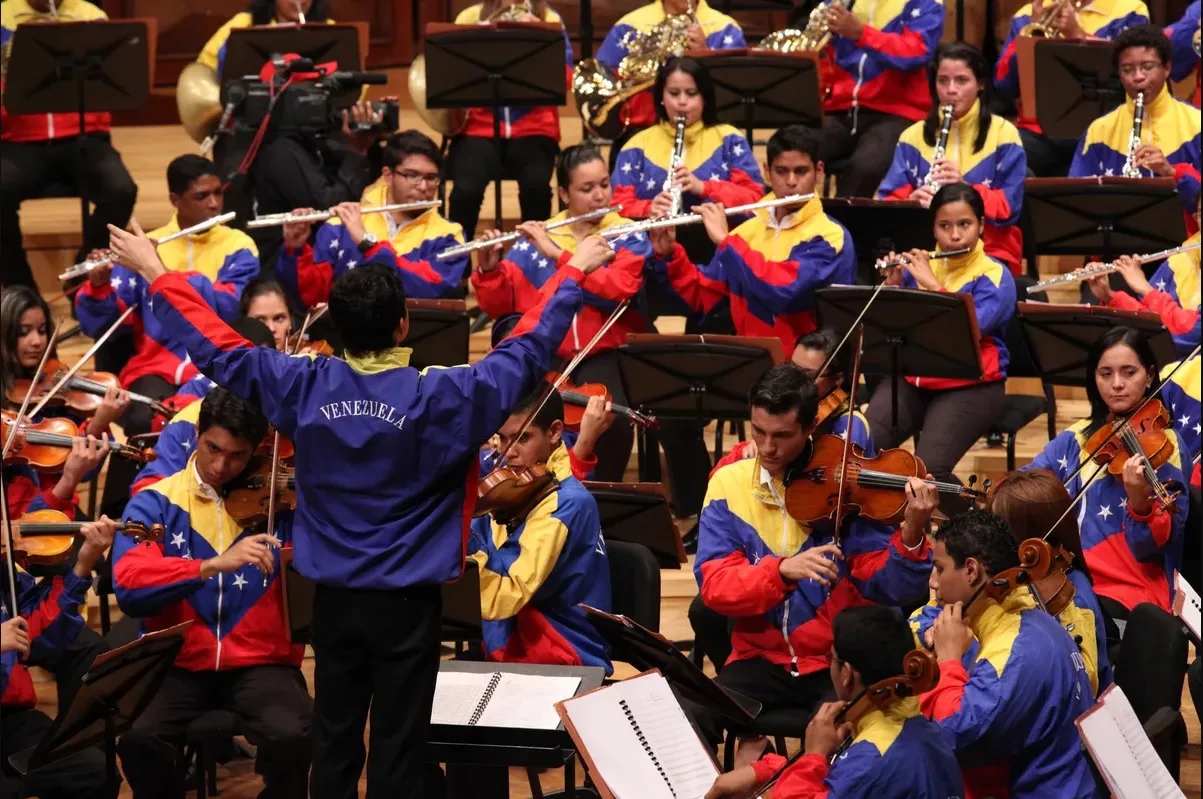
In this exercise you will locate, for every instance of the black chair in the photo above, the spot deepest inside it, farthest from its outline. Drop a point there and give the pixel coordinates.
(1019, 410)
(832, 173)
(203, 738)
(634, 583)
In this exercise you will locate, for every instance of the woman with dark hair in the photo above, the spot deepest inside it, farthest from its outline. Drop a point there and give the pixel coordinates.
(527, 274)
(983, 150)
(947, 416)
(262, 12)
(265, 301)
(1132, 542)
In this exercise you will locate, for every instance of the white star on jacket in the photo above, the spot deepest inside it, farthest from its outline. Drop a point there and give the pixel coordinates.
(651, 183)
(1198, 429)
(1184, 421)
(728, 40)
(133, 281)
(115, 283)
(352, 264)
(544, 263)
(1161, 285)
(1063, 463)
(987, 181)
(916, 13)
(187, 445)
(1105, 512)
(239, 580)
(626, 168)
(177, 540)
(738, 149)
(522, 245)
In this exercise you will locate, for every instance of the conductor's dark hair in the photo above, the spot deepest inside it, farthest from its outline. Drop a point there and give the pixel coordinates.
(793, 139)
(184, 170)
(551, 412)
(572, 157)
(254, 331)
(366, 305)
(1115, 337)
(221, 408)
(972, 58)
(873, 640)
(399, 146)
(701, 76)
(264, 11)
(958, 193)
(784, 388)
(980, 535)
(1147, 35)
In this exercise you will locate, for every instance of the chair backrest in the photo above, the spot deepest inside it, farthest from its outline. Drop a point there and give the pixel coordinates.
(634, 583)
(1022, 364)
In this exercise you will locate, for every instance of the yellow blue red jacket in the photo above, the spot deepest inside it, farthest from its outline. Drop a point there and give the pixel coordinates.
(307, 274)
(721, 32)
(24, 492)
(406, 520)
(51, 607)
(1100, 19)
(769, 269)
(1180, 395)
(744, 532)
(1170, 124)
(997, 171)
(992, 288)
(1175, 298)
(176, 442)
(719, 155)
(47, 127)
(896, 753)
(218, 262)
(238, 618)
(1010, 715)
(525, 278)
(837, 424)
(1186, 58)
(517, 123)
(884, 70)
(1132, 558)
(532, 578)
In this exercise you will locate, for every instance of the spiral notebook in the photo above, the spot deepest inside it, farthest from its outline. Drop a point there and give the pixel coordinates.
(637, 742)
(500, 699)
(1122, 751)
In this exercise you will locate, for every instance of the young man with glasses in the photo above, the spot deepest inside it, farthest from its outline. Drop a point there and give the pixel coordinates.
(409, 241)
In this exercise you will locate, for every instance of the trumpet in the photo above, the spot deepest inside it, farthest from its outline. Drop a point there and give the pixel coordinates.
(930, 183)
(479, 244)
(688, 219)
(1094, 270)
(270, 220)
(1046, 26)
(891, 263)
(1131, 170)
(84, 267)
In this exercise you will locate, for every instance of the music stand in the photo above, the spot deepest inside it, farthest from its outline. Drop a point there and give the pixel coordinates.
(762, 89)
(100, 65)
(638, 513)
(496, 65)
(1104, 216)
(1077, 84)
(461, 606)
(908, 332)
(298, 592)
(880, 226)
(248, 49)
(1060, 337)
(117, 688)
(438, 333)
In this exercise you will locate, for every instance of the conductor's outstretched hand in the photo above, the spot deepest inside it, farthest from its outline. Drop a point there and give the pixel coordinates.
(133, 250)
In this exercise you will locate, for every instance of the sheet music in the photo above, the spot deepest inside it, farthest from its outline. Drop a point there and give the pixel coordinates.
(456, 695)
(1187, 604)
(673, 755)
(1123, 752)
(528, 701)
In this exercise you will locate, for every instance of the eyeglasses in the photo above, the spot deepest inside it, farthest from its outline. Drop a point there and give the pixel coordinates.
(410, 176)
(1128, 70)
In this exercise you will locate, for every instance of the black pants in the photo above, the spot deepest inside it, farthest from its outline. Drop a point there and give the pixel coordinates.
(711, 633)
(70, 664)
(377, 649)
(613, 449)
(26, 167)
(136, 420)
(273, 708)
(80, 776)
(1047, 158)
(946, 423)
(474, 161)
(866, 140)
(771, 685)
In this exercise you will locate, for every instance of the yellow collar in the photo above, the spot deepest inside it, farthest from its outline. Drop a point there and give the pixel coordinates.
(692, 132)
(559, 463)
(966, 126)
(381, 361)
(1154, 107)
(199, 238)
(896, 712)
(957, 263)
(985, 621)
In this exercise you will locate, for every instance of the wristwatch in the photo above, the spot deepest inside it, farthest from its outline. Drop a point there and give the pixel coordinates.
(367, 242)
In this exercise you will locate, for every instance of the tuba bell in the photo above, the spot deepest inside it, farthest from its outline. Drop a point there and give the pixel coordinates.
(446, 121)
(812, 39)
(198, 99)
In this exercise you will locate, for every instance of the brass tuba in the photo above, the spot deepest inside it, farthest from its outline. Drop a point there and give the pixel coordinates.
(811, 40)
(198, 99)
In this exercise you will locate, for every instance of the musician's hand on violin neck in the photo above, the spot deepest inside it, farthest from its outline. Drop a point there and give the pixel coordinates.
(14, 636)
(1136, 486)
(98, 537)
(596, 420)
(922, 501)
(254, 550)
(297, 233)
(735, 784)
(813, 564)
(86, 455)
(951, 635)
(823, 737)
(114, 404)
(592, 253)
(135, 251)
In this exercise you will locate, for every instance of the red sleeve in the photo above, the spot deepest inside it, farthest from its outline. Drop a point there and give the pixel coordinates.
(313, 279)
(1160, 523)
(632, 206)
(698, 291)
(618, 280)
(733, 586)
(46, 611)
(737, 453)
(1177, 319)
(495, 290)
(995, 200)
(804, 779)
(580, 466)
(767, 766)
(1124, 301)
(908, 44)
(66, 506)
(741, 189)
(903, 192)
(945, 699)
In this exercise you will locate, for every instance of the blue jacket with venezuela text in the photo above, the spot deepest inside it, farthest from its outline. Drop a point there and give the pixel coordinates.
(386, 456)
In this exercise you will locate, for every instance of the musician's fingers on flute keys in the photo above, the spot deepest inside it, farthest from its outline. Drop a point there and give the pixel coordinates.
(664, 241)
(1100, 286)
(297, 233)
(488, 258)
(714, 217)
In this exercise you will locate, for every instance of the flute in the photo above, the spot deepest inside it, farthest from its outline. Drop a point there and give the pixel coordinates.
(885, 264)
(473, 246)
(689, 219)
(85, 267)
(271, 220)
(1094, 270)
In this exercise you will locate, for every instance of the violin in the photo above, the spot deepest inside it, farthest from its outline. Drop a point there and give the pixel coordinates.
(1055, 591)
(296, 344)
(82, 394)
(246, 497)
(48, 443)
(1142, 433)
(508, 493)
(875, 486)
(836, 399)
(576, 397)
(288, 451)
(47, 537)
(1035, 564)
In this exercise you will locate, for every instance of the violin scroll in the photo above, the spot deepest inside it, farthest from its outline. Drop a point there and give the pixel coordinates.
(141, 533)
(1035, 563)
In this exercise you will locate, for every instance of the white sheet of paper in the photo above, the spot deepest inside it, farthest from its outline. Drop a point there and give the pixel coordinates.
(1123, 752)
(527, 701)
(456, 695)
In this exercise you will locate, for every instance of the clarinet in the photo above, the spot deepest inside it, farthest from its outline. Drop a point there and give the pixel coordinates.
(930, 183)
(1131, 170)
(678, 158)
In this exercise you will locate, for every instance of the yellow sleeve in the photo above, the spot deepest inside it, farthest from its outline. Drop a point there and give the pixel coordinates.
(469, 16)
(209, 55)
(512, 573)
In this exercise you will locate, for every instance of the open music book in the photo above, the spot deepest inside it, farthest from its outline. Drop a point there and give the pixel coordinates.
(1120, 748)
(1187, 605)
(500, 699)
(637, 741)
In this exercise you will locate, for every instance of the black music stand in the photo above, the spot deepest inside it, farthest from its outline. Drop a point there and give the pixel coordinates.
(1104, 216)
(1077, 86)
(762, 89)
(632, 643)
(461, 608)
(878, 227)
(248, 49)
(438, 333)
(638, 513)
(498, 65)
(101, 65)
(116, 690)
(1059, 337)
(299, 592)
(908, 333)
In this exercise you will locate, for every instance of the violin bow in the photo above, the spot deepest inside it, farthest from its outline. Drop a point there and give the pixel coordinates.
(855, 324)
(87, 356)
(840, 505)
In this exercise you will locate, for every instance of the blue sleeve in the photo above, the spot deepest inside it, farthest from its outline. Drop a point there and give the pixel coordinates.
(98, 309)
(1059, 456)
(145, 580)
(612, 49)
(1142, 539)
(424, 276)
(1006, 72)
(880, 567)
(1085, 160)
(994, 305)
(1182, 34)
(729, 37)
(239, 268)
(60, 624)
(903, 172)
(1010, 171)
(922, 620)
(911, 47)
